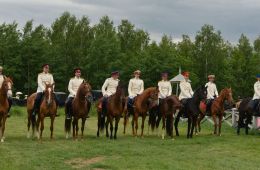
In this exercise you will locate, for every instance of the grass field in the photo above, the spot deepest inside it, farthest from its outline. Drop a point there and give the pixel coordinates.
(151, 152)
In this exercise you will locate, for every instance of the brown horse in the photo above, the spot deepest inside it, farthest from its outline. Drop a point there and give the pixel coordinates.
(30, 117)
(217, 109)
(80, 110)
(143, 102)
(115, 107)
(48, 108)
(4, 105)
(168, 108)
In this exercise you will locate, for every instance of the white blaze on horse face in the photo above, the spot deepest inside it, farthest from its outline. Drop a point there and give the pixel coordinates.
(49, 97)
(9, 92)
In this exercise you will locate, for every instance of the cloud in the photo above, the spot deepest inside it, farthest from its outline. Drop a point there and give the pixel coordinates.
(171, 17)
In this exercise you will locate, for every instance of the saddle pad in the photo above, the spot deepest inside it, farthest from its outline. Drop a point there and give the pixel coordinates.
(203, 107)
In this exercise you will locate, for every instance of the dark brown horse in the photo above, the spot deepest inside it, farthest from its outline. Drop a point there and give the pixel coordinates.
(143, 102)
(80, 110)
(4, 105)
(217, 109)
(48, 108)
(115, 107)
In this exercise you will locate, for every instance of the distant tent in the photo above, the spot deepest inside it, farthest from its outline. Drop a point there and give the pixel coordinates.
(177, 79)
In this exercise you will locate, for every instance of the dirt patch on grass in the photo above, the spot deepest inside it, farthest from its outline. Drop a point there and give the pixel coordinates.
(83, 162)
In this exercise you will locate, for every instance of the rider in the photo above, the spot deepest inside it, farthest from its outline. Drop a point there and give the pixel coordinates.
(212, 91)
(109, 88)
(9, 94)
(165, 87)
(256, 98)
(185, 87)
(43, 78)
(73, 87)
(135, 87)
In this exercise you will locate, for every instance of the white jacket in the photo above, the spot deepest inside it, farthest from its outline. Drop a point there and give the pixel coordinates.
(74, 86)
(257, 90)
(109, 86)
(135, 87)
(165, 89)
(211, 90)
(186, 90)
(44, 78)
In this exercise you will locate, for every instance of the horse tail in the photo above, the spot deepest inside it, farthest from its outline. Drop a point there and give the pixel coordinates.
(67, 125)
(152, 118)
(33, 122)
(168, 125)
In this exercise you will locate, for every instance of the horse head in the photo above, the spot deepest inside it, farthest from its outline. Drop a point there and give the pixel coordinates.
(227, 93)
(201, 93)
(153, 93)
(7, 86)
(85, 90)
(49, 93)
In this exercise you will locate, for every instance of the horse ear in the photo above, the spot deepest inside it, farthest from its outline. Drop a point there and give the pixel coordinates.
(84, 81)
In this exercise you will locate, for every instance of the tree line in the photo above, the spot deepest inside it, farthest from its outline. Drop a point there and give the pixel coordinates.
(72, 42)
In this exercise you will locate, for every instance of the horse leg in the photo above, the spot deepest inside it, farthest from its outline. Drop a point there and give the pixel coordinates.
(143, 120)
(163, 125)
(98, 125)
(51, 127)
(215, 123)
(28, 125)
(136, 124)
(189, 126)
(125, 121)
(111, 127)
(42, 126)
(133, 124)
(158, 123)
(74, 127)
(116, 126)
(77, 127)
(176, 122)
(82, 127)
(220, 123)
(239, 124)
(194, 121)
(107, 123)
(171, 126)
(37, 126)
(3, 128)
(201, 117)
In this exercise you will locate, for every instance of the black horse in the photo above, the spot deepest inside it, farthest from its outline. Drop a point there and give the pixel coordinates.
(246, 114)
(191, 110)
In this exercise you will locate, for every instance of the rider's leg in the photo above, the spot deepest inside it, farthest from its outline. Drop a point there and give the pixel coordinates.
(37, 102)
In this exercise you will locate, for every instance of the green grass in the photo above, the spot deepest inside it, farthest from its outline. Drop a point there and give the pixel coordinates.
(151, 152)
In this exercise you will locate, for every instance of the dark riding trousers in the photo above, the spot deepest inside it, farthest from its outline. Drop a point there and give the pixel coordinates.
(252, 105)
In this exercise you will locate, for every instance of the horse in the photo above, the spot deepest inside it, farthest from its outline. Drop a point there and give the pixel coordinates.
(80, 110)
(115, 107)
(142, 103)
(191, 110)
(167, 109)
(245, 114)
(217, 109)
(5, 90)
(31, 119)
(48, 108)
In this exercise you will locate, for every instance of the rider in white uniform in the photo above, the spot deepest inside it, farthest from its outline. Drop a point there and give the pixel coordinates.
(73, 87)
(185, 87)
(9, 94)
(165, 87)
(135, 87)
(43, 78)
(212, 91)
(256, 98)
(109, 88)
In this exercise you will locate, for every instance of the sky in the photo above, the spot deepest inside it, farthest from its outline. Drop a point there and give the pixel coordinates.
(158, 17)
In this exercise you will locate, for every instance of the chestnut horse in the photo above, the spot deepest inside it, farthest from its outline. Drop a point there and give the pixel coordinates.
(80, 110)
(115, 106)
(4, 105)
(48, 108)
(217, 109)
(142, 103)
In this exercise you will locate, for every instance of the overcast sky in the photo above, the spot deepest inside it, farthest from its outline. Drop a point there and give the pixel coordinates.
(158, 17)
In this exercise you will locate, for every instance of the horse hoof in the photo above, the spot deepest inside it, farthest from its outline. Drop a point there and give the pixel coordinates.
(196, 134)
(28, 135)
(2, 140)
(173, 139)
